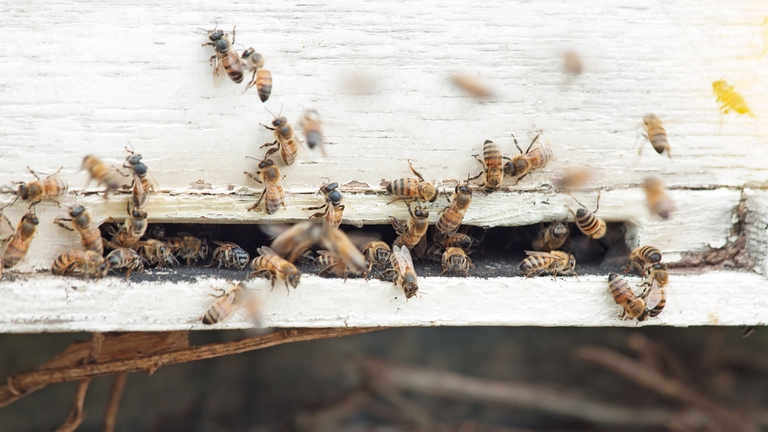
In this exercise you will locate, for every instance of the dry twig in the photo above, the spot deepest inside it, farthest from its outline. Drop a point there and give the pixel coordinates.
(118, 385)
(77, 414)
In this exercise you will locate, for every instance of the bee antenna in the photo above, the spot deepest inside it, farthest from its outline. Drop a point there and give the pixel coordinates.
(251, 157)
(271, 113)
(281, 109)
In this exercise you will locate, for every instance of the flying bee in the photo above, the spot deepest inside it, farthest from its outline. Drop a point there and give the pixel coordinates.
(659, 202)
(336, 242)
(471, 86)
(634, 306)
(189, 248)
(459, 240)
(273, 194)
(552, 237)
(377, 254)
(38, 190)
(99, 171)
(229, 302)
(643, 257)
(589, 224)
(409, 189)
(573, 178)
(405, 275)
(492, 167)
(76, 262)
(229, 255)
(655, 295)
(285, 141)
(729, 100)
(292, 242)
(329, 262)
(413, 233)
(310, 125)
(456, 261)
(270, 264)
(656, 134)
(90, 236)
(225, 57)
(554, 262)
(156, 252)
(130, 233)
(19, 243)
(334, 208)
(452, 215)
(252, 61)
(125, 258)
(522, 164)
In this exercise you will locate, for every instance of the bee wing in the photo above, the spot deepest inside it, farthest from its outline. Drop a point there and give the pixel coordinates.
(351, 216)
(218, 72)
(275, 190)
(266, 251)
(544, 255)
(399, 260)
(653, 296)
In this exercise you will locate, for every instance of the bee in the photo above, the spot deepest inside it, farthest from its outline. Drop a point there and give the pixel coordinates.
(225, 57)
(539, 263)
(573, 178)
(643, 257)
(285, 140)
(329, 262)
(413, 232)
(310, 125)
(129, 235)
(492, 167)
(520, 165)
(125, 258)
(188, 247)
(452, 215)
(230, 302)
(36, 191)
(472, 86)
(157, 231)
(434, 253)
(552, 237)
(659, 202)
(589, 224)
(252, 61)
(634, 306)
(264, 84)
(294, 241)
(572, 64)
(18, 245)
(142, 184)
(336, 242)
(76, 262)
(376, 253)
(334, 207)
(100, 171)
(656, 134)
(90, 236)
(273, 194)
(229, 255)
(156, 252)
(405, 275)
(456, 261)
(655, 295)
(408, 189)
(729, 100)
(269, 263)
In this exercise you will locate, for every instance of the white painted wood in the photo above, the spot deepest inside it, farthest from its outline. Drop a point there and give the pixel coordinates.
(757, 228)
(715, 298)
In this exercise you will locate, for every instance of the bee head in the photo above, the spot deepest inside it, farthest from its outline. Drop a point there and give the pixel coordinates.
(76, 211)
(420, 212)
(294, 279)
(279, 121)
(23, 191)
(216, 35)
(222, 45)
(138, 214)
(266, 163)
(133, 159)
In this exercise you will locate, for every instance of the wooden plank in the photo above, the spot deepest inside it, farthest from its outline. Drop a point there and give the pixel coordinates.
(757, 229)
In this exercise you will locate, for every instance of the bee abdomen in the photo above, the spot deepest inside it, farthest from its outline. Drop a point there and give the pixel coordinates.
(264, 84)
(591, 225)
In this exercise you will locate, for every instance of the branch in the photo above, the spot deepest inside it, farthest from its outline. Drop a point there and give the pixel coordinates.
(454, 386)
(670, 387)
(114, 401)
(29, 381)
(76, 415)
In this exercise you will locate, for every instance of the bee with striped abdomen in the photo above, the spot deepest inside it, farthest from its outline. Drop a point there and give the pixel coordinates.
(554, 263)
(336, 242)
(409, 189)
(659, 201)
(522, 164)
(270, 264)
(157, 252)
(125, 258)
(452, 215)
(273, 194)
(334, 208)
(252, 62)
(643, 257)
(35, 191)
(459, 240)
(313, 131)
(456, 261)
(655, 294)
(76, 262)
(330, 263)
(377, 254)
(551, 237)
(729, 100)
(633, 306)
(229, 302)
(129, 234)
(405, 275)
(99, 171)
(492, 162)
(589, 224)
(90, 235)
(229, 255)
(656, 134)
(18, 244)
(143, 182)
(188, 247)
(413, 232)
(285, 141)
(225, 59)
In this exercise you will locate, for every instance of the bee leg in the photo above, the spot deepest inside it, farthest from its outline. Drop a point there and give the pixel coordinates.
(533, 141)
(64, 223)
(270, 128)
(233, 34)
(252, 82)
(396, 199)
(271, 151)
(415, 172)
(33, 173)
(253, 177)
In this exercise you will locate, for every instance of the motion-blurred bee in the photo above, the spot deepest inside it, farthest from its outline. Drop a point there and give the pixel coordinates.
(522, 164)
(156, 252)
(452, 215)
(591, 225)
(472, 86)
(413, 232)
(225, 57)
(99, 171)
(188, 247)
(285, 140)
(125, 258)
(76, 262)
(573, 178)
(90, 236)
(36, 191)
(334, 208)
(270, 264)
(335, 241)
(409, 189)
(273, 194)
(572, 64)
(642, 257)
(555, 262)
(230, 302)
(634, 307)
(229, 255)
(313, 131)
(552, 237)
(330, 263)
(729, 100)
(129, 234)
(655, 295)
(377, 254)
(456, 261)
(18, 245)
(459, 240)
(492, 167)
(294, 241)
(405, 275)
(659, 202)
(656, 134)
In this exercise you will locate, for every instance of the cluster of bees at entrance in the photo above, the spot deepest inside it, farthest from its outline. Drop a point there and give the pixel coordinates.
(132, 247)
